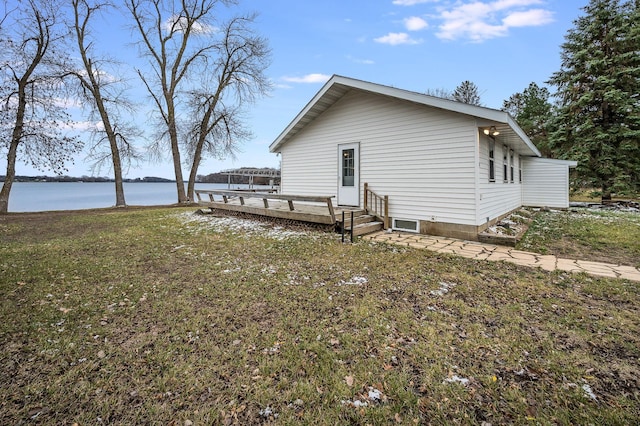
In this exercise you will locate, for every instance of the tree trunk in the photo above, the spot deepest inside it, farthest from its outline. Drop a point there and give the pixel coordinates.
(13, 146)
(120, 201)
(113, 144)
(94, 86)
(117, 172)
(9, 178)
(177, 164)
(606, 193)
(115, 155)
(194, 170)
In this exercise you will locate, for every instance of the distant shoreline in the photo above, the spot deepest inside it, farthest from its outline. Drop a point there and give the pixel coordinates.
(148, 179)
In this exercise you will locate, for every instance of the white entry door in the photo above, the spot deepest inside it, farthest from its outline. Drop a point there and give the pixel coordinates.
(349, 174)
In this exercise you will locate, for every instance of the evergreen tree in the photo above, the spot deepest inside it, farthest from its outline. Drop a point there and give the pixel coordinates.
(598, 119)
(467, 92)
(533, 112)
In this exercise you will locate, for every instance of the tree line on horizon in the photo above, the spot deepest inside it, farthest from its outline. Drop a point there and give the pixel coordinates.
(96, 179)
(200, 82)
(594, 115)
(216, 177)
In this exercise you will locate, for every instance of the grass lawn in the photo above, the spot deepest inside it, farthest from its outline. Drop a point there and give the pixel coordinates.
(162, 316)
(597, 235)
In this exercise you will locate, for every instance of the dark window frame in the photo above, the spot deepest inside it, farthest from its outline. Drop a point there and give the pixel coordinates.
(505, 164)
(520, 168)
(492, 160)
(511, 170)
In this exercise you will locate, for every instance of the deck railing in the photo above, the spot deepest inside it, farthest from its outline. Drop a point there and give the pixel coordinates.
(377, 205)
(265, 197)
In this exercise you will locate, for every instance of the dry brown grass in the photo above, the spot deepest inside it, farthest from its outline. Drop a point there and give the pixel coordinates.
(137, 317)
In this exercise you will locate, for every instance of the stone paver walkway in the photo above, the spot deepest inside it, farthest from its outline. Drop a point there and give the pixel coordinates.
(481, 251)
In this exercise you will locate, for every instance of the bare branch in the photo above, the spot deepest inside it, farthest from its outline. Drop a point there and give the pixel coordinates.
(31, 78)
(105, 97)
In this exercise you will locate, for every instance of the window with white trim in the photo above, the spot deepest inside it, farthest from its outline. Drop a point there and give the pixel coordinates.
(520, 168)
(505, 164)
(492, 167)
(405, 225)
(511, 165)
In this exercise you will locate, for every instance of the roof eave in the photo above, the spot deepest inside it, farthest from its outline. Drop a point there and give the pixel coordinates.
(275, 145)
(522, 135)
(419, 98)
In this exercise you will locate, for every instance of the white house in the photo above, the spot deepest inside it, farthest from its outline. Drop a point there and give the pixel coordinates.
(448, 168)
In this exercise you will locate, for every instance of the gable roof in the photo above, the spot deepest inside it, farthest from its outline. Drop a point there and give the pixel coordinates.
(337, 86)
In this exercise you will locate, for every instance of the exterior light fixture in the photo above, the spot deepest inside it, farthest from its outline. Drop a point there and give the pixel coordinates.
(491, 131)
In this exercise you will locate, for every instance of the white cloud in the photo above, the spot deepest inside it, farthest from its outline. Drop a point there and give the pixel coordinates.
(100, 75)
(530, 18)
(508, 4)
(360, 61)
(309, 78)
(411, 2)
(479, 21)
(415, 23)
(179, 23)
(80, 126)
(395, 39)
(67, 103)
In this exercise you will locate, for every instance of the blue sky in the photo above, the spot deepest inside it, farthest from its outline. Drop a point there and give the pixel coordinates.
(500, 45)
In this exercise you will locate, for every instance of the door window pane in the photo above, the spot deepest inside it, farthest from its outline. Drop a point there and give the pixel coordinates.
(348, 167)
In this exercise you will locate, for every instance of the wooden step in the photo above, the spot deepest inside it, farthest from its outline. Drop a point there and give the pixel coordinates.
(357, 220)
(367, 228)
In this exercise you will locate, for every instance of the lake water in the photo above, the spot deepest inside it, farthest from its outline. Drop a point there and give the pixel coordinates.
(45, 196)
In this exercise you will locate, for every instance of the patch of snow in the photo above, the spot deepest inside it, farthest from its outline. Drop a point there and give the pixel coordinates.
(375, 394)
(355, 403)
(589, 392)
(198, 222)
(267, 412)
(354, 281)
(275, 349)
(444, 289)
(456, 379)
(269, 270)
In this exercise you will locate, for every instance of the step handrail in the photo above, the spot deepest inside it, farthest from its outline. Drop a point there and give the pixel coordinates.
(377, 205)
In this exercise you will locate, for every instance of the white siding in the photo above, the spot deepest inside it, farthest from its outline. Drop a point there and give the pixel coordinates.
(422, 157)
(546, 182)
(499, 197)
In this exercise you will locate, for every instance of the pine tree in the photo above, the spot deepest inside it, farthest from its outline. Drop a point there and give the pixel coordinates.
(467, 92)
(598, 119)
(533, 112)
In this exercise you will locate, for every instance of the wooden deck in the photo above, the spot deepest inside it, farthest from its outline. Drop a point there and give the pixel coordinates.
(305, 208)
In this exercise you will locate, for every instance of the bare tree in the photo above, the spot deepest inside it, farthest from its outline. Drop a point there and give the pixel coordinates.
(197, 67)
(102, 91)
(235, 79)
(440, 93)
(171, 37)
(31, 115)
